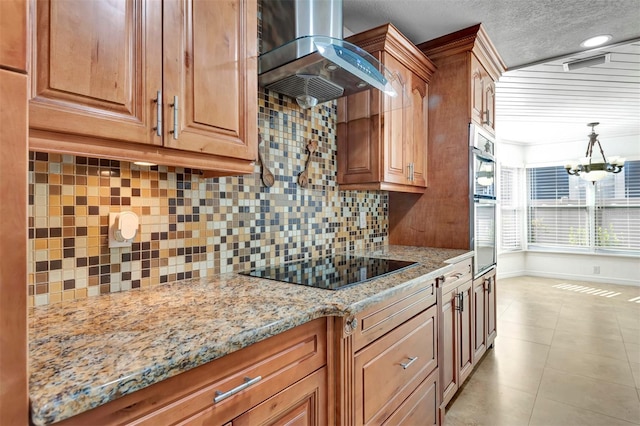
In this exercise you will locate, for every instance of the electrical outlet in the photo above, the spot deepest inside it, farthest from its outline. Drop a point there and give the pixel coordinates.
(363, 220)
(596, 270)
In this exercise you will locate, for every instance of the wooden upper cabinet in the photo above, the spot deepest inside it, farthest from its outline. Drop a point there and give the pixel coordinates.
(482, 96)
(159, 81)
(483, 68)
(97, 67)
(477, 90)
(462, 91)
(13, 35)
(210, 68)
(489, 98)
(382, 140)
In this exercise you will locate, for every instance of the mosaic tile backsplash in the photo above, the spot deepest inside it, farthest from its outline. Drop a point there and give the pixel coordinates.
(190, 226)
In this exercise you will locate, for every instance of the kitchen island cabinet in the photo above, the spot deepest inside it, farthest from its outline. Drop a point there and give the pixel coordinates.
(171, 82)
(382, 140)
(165, 351)
(233, 388)
(388, 360)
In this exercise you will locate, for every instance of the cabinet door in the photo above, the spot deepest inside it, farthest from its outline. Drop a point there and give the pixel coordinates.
(358, 138)
(96, 68)
(490, 285)
(477, 90)
(13, 34)
(480, 322)
(421, 408)
(417, 138)
(465, 331)
(13, 207)
(449, 346)
(391, 368)
(396, 124)
(302, 404)
(210, 77)
(489, 99)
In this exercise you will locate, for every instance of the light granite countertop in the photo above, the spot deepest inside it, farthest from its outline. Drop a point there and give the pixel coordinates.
(85, 353)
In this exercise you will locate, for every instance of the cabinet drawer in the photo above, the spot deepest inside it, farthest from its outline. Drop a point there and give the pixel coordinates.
(279, 361)
(390, 369)
(380, 319)
(421, 408)
(460, 273)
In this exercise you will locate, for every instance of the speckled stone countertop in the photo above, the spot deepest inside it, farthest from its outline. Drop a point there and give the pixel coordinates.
(85, 353)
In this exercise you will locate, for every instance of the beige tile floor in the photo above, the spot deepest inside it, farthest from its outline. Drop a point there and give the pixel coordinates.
(563, 356)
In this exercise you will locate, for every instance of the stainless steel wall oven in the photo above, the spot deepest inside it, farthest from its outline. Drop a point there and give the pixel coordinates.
(483, 199)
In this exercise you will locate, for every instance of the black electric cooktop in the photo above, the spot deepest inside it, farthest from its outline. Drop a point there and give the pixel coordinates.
(332, 272)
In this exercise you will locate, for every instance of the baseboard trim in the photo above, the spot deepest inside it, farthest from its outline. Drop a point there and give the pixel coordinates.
(570, 277)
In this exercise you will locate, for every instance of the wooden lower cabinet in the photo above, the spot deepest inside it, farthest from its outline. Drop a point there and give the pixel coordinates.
(455, 294)
(467, 315)
(290, 363)
(479, 316)
(302, 404)
(380, 366)
(421, 408)
(389, 370)
(485, 329)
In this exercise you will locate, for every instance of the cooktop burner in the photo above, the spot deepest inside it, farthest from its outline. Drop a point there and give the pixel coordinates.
(332, 272)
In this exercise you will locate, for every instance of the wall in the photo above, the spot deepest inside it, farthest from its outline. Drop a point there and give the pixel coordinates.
(191, 226)
(623, 270)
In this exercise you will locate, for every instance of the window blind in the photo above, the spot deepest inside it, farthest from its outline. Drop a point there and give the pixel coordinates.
(617, 214)
(511, 213)
(558, 214)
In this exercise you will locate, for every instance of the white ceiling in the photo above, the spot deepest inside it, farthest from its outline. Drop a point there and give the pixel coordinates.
(536, 103)
(543, 104)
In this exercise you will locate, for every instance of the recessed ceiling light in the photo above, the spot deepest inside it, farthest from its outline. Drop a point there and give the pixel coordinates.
(596, 41)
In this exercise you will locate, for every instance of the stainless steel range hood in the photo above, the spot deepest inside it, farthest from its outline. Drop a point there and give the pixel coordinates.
(306, 57)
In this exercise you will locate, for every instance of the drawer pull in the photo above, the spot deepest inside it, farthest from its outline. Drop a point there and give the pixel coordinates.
(457, 275)
(411, 361)
(247, 382)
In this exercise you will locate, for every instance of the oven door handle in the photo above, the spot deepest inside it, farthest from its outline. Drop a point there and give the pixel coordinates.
(481, 200)
(481, 154)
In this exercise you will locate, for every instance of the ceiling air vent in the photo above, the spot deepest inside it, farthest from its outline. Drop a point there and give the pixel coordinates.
(587, 62)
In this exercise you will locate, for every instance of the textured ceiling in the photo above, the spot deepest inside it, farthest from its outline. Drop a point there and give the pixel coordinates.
(523, 31)
(536, 102)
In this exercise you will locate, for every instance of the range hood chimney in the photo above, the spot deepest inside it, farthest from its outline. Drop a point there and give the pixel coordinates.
(306, 57)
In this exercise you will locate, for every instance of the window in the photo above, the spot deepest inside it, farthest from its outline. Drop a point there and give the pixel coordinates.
(617, 215)
(569, 213)
(511, 212)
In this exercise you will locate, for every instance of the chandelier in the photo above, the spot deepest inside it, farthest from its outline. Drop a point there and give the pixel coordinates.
(590, 169)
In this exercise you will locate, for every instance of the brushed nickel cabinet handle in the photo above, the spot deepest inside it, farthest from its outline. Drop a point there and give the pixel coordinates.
(158, 101)
(460, 307)
(488, 114)
(406, 365)
(174, 105)
(221, 396)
